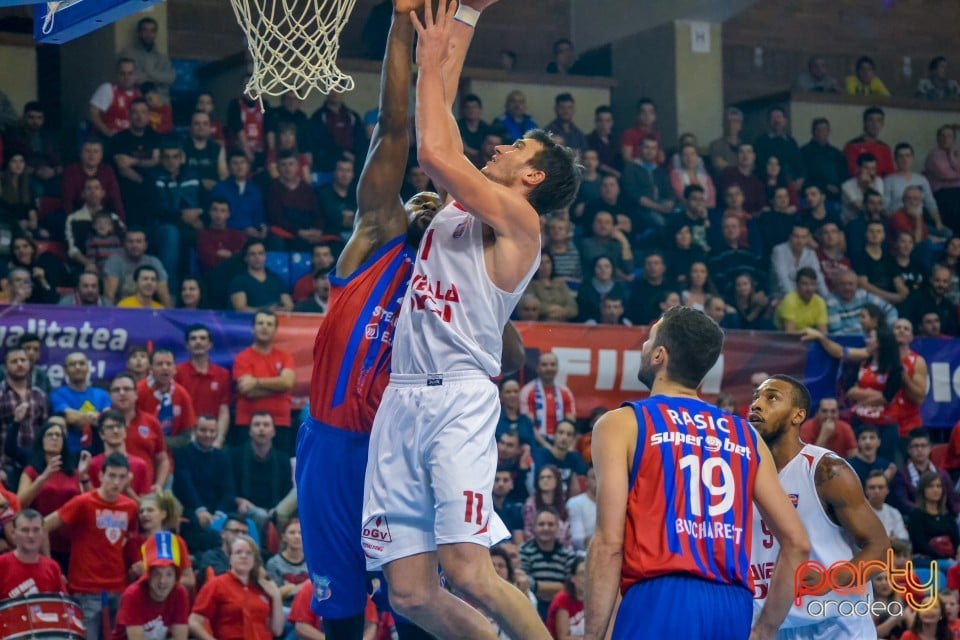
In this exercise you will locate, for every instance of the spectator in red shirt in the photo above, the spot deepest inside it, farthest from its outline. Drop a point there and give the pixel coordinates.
(218, 242)
(309, 626)
(168, 401)
(112, 427)
(826, 429)
(99, 523)
(51, 479)
(565, 619)
(25, 572)
(631, 138)
(91, 165)
(208, 384)
(264, 376)
(156, 605)
(144, 437)
(322, 259)
(159, 517)
(871, 143)
(296, 222)
(9, 508)
(242, 603)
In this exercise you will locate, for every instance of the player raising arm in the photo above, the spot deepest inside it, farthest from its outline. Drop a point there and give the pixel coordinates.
(676, 481)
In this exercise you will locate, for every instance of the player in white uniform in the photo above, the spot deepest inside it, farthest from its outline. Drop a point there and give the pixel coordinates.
(830, 502)
(428, 489)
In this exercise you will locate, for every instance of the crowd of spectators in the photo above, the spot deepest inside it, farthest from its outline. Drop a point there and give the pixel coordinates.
(762, 234)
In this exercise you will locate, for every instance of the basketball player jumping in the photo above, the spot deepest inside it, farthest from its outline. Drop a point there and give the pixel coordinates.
(352, 351)
(428, 491)
(676, 478)
(829, 500)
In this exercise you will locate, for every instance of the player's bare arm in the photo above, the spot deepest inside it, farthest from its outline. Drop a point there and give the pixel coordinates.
(513, 355)
(614, 442)
(440, 153)
(842, 496)
(781, 516)
(380, 213)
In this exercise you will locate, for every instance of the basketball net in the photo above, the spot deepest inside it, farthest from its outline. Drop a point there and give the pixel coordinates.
(294, 45)
(52, 8)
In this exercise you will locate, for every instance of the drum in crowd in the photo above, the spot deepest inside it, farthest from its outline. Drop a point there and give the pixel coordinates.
(41, 616)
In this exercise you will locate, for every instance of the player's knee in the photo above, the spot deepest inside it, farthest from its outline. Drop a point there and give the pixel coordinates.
(411, 600)
(472, 581)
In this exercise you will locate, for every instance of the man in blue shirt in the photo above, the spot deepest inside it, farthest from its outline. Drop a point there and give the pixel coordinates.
(244, 198)
(79, 402)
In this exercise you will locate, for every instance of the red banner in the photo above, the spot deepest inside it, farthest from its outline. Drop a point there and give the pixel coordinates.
(599, 364)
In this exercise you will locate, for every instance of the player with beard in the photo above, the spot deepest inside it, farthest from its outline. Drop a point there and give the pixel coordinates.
(676, 481)
(829, 499)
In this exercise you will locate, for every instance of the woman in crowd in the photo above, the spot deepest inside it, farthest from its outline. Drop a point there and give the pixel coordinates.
(563, 251)
(870, 387)
(161, 512)
(565, 619)
(288, 569)
(774, 177)
(138, 362)
(51, 479)
(18, 195)
(47, 270)
(241, 604)
(751, 306)
(682, 254)
(933, 530)
(600, 286)
(692, 172)
(557, 303)
(548, 493)
(699, 286)
(929, 624)
(506, 571)
(887, 624)
(191, 294)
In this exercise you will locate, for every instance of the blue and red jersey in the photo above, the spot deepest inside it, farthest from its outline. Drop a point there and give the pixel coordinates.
(351, 354)
(690, 502)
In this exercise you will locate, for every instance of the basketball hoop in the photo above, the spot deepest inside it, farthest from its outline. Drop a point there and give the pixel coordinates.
(294, 45)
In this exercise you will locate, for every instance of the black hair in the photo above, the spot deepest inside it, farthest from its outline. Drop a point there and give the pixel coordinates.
(864, 158)
(690, 189)
(38, 459)
(116, 460)
(806, 272)
(693, 340)
(902, 145)
(566, 96)
(252, 242)
(873, 111)
(33, 105)
(143, 268)
(862, 60)
(27, 338)
(561, 41)
(159, 351)
(918, 434)
(111, 414)
(602, 109)
(817, 122)
(196, 327)
(801, 396)
(562, 174)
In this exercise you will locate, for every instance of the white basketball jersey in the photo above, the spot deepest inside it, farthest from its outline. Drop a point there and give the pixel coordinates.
(828, 543)
(453, 315)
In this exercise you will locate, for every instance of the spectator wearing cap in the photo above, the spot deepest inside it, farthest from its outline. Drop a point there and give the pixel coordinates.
(99, 522)
(25, 571)
(156, 605)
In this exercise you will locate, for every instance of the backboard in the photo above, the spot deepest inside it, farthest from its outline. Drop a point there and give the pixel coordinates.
(74, 18)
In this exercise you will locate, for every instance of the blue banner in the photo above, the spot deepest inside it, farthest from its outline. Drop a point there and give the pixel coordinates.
(942, 406)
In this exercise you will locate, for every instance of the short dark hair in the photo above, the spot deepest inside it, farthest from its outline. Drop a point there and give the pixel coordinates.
(935, 63)
(13, 350)
(691, 189)
(646, 100)
(566, 96)
(774, 109)
(806, 272)
(263, 414)
(562, 174)
(901, 146)
(28, 514)
(196, 327)
(918, 434)
(864, 158)
(471, 97)
(144, 268)
(873, 111)
(694, 342)
(602, 109)
(147, 87)
(866, 427)
(817, 122)
(236, 153)
(27, 338)
(252, 242)
(862, 60)
(137, 101)
(143, 21)
(871, 193)
(123, 61)
(265, 312)
(801, 395)
(561, 41)
(117, 461)
(161, 351)
(876, 473)
(111, 414)
(218, 200)
(287, 154)
(33, 105)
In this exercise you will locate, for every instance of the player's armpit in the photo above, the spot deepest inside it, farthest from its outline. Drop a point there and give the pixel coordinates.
(781, 517)
(841, 493)
(513, 356)
(613, 444)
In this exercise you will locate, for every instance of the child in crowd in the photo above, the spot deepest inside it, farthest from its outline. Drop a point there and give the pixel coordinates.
(104, 241)
(161, 115)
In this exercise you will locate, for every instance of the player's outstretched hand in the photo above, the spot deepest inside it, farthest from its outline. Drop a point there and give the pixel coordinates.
(433, 35)
(406, 6)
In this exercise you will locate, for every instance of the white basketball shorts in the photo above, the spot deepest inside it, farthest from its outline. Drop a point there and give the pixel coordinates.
(431, 466)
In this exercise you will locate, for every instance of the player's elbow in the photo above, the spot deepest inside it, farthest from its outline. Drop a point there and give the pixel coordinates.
(796, 543)
(429, 153)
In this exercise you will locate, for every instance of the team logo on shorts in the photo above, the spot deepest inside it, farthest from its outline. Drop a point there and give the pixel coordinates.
(321, 588)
